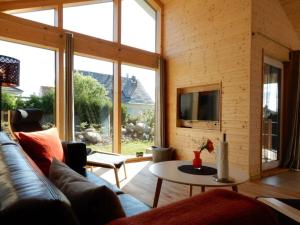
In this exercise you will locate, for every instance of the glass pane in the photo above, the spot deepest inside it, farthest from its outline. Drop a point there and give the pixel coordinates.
(271, 117)
(138, 109)
(93, 19)
(37, 81)
(138, 24)
(93, 96)
(41, 16)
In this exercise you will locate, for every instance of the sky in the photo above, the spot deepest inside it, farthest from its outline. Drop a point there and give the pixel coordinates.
(38, 65)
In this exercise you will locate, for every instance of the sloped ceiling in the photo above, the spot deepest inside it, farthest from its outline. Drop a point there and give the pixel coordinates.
(292, 10)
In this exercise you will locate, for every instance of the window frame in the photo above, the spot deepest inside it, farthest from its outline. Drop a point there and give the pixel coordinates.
(36, 34)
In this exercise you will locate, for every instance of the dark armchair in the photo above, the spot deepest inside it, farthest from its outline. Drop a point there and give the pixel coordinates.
(28, 120)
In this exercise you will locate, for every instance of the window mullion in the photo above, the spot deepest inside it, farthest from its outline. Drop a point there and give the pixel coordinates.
(117, 82)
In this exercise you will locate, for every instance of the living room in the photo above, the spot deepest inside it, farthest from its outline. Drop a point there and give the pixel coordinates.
(122, 76)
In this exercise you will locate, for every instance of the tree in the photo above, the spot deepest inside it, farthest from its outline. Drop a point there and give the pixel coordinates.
(124, 114)
(47, 101)
(91, 103)
(20, 103)
(148, 117)
(34, 101)
(90, 99)
(8, 101)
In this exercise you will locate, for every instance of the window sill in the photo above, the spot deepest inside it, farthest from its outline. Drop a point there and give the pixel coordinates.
(133, 158)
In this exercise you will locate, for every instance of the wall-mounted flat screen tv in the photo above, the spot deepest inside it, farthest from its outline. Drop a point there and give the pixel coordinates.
(200, 106)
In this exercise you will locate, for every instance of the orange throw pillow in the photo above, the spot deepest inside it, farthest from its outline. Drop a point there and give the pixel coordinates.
(42, 147)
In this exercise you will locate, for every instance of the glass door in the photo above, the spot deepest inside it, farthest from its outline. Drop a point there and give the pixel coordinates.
(271, 113)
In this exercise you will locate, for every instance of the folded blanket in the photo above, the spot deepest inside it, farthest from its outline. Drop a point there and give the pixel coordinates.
(216, 207)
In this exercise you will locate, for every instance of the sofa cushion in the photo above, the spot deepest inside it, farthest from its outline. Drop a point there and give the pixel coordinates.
(4, 139)
(93, 205)
(131, 205)
(42, 147)
(93, 178)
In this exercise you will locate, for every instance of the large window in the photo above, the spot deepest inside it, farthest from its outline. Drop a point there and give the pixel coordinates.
(93, 19)
(93, 94)
(96, 90)
(37, 80)
(41, 16)
(138, 109)
(138, 24)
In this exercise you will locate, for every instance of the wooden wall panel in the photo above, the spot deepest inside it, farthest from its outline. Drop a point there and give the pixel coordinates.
(268, 18)
(292, 8)
(208, 42)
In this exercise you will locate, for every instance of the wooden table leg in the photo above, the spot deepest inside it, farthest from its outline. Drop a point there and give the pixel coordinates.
(191, 190)
(202, 189)
(157, 192)
(117, 177)
(235, 188)
(125, 171)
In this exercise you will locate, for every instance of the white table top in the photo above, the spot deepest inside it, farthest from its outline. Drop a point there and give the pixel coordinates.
(169, 171)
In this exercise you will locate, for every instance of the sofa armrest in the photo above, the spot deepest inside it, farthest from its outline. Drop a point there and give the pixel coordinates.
(75, 155)
(281, 207)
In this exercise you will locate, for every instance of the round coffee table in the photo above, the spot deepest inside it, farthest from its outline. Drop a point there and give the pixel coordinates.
(169, 171)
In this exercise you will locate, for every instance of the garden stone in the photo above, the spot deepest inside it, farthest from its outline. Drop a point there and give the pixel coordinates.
(80, 137)
(140, 128)
(93, 137)
(130, 128)
(91, 129)
(147, 129)
(146, 136)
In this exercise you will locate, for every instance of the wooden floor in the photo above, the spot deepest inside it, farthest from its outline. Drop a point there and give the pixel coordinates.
(141, 184)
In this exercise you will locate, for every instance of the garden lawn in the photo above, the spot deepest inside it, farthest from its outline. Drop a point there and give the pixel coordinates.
(127, 148)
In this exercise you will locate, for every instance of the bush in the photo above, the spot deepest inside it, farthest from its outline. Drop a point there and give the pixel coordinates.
(148, 117)
(90, 100)
(124, 114)
(47, 101)
(8, 101)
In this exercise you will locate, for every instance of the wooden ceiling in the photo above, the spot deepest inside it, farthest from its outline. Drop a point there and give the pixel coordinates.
(292, 9)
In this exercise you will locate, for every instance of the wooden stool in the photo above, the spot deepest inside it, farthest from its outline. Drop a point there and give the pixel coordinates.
(108, 160)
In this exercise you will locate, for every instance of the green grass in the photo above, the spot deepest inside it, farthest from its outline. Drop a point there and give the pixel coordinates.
(127, 148)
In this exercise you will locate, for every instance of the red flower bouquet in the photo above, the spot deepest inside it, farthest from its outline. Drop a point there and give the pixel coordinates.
(208, 145)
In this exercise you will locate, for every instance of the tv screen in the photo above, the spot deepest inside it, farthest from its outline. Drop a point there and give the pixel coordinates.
(199, 106)
(208, 106)
(186, 105)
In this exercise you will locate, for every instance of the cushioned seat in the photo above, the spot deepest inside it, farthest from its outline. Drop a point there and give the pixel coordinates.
(95, 179)
(132, 206)
(4, 139)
